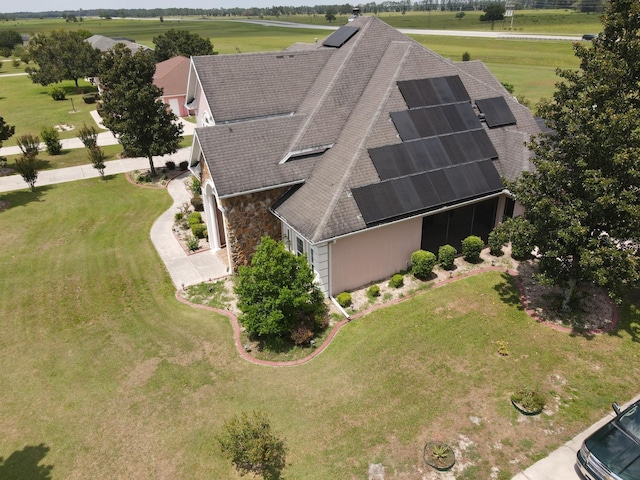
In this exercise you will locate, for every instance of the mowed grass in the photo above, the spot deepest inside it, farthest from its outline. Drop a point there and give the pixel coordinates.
(118, 380)
(28, 106)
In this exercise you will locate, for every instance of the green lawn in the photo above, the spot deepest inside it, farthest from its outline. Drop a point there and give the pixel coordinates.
(115, 378)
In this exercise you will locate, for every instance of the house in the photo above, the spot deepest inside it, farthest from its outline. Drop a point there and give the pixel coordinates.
(172, 76)
(104, 44)
(356, 151)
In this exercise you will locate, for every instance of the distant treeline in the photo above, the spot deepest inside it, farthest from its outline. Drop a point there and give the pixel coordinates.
(344, 9)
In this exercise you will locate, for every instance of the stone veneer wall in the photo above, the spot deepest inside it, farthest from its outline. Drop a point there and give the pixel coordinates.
(247, 219)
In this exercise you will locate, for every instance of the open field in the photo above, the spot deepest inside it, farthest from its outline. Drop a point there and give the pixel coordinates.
(528, 65)
(106, 375)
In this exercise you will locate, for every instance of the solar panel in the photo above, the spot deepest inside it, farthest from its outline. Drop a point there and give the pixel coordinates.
(426, 191)
(340, 36)
(496, 111)
(436, 120)
(433, 91)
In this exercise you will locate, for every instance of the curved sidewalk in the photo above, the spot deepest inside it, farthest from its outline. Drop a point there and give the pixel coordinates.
(184, 269)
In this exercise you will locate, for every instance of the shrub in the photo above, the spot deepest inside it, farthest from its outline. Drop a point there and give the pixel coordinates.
(520, 232)
(471, 248)
(197, 204)
(178, 216)
(396, 281)
(373, 291)
(195, 217)
(447, 256)
(51, 138)
(496, 240)
(344, 299)
(195, 186)
(89, 98)
(57, 94)
(466, 56)
(301, 334)
(422, 263)
(199, 230)
(29, 145)
(192, 243)
(15, 62)
(171, 165)
(184, 165)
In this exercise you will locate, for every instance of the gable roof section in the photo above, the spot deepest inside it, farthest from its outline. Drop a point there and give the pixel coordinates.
(172, 75)
(254, 85)
(353, 102)
(104, 44)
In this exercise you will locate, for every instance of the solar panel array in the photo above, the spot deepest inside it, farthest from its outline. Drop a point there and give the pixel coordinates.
(446, 156)
(409, 158)
(496, 112)
(433, 91)
(413, 194)
(340, 36)
(435, 120)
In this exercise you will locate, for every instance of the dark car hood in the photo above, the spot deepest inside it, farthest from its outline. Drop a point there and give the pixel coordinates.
(615, 449)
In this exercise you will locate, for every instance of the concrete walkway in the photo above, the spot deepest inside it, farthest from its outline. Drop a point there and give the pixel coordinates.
(104, 138)
(561, 463)
(184, 269)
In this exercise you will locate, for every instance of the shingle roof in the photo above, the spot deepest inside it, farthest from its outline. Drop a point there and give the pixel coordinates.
(172, 75)
(340, 97)
(104, 44)
(254, 85)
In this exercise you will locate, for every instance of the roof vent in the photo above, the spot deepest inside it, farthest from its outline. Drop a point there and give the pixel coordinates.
(481, 117)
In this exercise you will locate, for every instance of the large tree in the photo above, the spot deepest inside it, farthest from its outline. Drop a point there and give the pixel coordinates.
(492, 13)
(132, 107)
(181, 42)
(252, 446)
(277, 291)
(6, 131)
(583, 199)
(60, 56)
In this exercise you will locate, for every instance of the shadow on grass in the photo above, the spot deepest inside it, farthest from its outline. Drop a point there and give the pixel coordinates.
(629, 316)
(509, 291)
(20, 198)
(24, 464)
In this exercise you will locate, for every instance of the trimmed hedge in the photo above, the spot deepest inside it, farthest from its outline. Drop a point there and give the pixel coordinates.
(197, 203)
(471, 248)
(195, 217)
(422, 263)
(447, 256)
(396, 281)
(373, 291)
(199, 230)
(344, 299)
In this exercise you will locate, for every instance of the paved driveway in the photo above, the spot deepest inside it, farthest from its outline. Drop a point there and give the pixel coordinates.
(561, 464)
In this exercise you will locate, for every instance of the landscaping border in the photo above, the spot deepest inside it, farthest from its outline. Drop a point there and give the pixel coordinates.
(523, 299)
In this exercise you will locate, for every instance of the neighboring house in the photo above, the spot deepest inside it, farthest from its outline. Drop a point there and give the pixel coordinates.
(172, 76)
(355, 151)
(104, 44)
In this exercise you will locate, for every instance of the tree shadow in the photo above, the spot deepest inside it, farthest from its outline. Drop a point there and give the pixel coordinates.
(629, 316)
(24, 464)
(509, 291)
(20, 198)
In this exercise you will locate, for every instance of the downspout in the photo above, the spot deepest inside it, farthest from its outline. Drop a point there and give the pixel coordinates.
(331, 297)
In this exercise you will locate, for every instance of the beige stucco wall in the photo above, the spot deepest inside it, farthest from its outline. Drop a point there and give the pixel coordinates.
(374, 254)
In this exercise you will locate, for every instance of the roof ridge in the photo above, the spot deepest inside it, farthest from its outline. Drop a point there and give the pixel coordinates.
(378, 90)
(327, 89)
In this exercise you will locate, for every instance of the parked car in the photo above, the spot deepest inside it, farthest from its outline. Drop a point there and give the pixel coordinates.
(589, 36)
(613, 451)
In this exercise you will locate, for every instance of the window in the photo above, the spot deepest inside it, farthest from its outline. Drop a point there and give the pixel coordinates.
(299, 246)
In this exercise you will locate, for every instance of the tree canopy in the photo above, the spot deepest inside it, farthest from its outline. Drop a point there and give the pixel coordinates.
(277, 291)
(9, 39)
(583, 199)
(62, 56)
(132, 108)
(181, 42)
(492, 13)
(252, 446)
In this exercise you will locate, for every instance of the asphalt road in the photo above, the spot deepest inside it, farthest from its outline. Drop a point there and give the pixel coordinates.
(416, 31)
